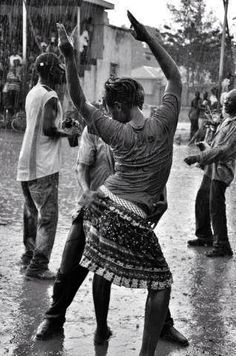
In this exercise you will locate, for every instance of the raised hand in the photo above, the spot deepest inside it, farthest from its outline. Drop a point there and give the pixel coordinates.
(202, 145)
(137, 29)
(64, 41)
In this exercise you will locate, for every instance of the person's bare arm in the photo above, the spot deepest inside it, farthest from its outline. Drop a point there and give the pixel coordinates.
(50, 113)
(90, 198)
(82, 173)
(165, 61)
(75, 90)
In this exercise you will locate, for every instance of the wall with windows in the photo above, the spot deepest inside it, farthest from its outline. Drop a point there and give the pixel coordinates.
(116, 61)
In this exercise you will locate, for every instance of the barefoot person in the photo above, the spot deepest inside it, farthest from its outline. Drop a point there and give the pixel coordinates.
(120, 244)
(94, 164)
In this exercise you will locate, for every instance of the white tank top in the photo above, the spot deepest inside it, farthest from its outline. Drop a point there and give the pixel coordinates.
(40, 155)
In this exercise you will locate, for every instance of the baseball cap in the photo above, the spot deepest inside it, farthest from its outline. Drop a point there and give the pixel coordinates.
(48, 60)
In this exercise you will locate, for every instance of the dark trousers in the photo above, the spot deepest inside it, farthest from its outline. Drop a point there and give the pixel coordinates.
(13, 101)
(71, 275)
(193, 127)
(210, 211)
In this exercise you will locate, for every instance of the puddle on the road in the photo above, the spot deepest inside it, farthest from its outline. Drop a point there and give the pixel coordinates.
(203, 296)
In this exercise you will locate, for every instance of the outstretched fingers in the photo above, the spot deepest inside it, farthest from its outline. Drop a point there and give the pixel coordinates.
(62, 35)
(132, 19)
(64, 41)
(137, 29)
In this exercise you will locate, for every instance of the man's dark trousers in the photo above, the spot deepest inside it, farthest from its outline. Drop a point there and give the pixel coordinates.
(210, 209)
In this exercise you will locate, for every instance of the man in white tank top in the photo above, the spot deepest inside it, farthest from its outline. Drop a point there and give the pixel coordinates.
(39, 165)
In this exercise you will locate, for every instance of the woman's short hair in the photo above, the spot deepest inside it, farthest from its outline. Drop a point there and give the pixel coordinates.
(125, 91)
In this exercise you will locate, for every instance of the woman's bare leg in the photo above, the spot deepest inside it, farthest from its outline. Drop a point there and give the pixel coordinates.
(101, 297)
(155, 314)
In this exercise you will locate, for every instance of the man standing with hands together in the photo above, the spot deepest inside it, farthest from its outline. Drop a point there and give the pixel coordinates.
(219, 161)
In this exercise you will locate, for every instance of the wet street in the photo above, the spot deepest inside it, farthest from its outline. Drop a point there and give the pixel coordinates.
(203, 300)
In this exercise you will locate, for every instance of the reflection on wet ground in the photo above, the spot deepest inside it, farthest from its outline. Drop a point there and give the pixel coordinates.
(204, 291)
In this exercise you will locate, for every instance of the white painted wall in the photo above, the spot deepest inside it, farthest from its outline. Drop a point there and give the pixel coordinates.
(116, 49)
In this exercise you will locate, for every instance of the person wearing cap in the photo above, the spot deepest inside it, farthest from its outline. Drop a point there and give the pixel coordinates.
(15, 57)
(218, 160)
(39, 165)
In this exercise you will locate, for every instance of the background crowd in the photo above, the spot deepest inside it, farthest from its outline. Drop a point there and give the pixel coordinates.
(205, 111)
(15, 81)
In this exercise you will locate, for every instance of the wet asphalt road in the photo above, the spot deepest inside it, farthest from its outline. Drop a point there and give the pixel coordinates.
(203, 301)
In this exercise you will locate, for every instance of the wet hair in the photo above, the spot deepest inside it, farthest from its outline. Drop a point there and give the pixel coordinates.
(46, 63)
(125, 91)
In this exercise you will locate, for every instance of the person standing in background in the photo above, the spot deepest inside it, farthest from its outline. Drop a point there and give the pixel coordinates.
(39, 165)
(194, 113)
(218, 160)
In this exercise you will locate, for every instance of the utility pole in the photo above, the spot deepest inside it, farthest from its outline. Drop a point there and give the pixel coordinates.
(24, 46)
(222, 50)
(24, 31)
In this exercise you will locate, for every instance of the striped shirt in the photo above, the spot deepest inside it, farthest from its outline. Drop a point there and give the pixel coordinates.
(142, 154)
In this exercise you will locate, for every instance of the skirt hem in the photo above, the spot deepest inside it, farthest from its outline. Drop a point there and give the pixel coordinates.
(124, 281)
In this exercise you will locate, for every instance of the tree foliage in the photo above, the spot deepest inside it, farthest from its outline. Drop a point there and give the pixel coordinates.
(194, 40)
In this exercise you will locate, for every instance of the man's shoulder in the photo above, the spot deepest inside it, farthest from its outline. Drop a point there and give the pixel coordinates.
(227, 124)
(92, 138)
(37, 91)
(36, 87)
(87, 135)
(31, 92)
(231, 129)
(47, 88)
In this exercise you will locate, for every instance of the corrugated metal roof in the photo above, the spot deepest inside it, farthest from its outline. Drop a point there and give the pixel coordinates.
(102, 3)
(146, 72)
(155, 73)
(37, 3)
